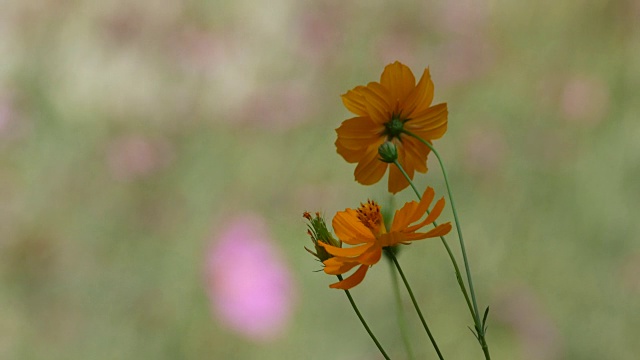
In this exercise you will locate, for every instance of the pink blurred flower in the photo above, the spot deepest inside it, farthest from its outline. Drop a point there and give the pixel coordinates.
(132, 157)
(485, 152)
(320, 31)
(250, 288)
(522, 310)
(585, 100)
(277, 106)
(13, 123)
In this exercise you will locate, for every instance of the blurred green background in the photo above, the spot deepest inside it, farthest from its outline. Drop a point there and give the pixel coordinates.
(132, 131)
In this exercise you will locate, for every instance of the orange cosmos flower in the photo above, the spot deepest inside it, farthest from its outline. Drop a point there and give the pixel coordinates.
(383, 111)
(364, 229)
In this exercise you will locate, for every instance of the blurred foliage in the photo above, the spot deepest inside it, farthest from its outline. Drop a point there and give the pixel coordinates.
(130, 131)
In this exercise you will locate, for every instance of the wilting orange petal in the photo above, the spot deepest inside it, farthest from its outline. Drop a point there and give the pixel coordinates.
(346, 252)
(350, 230)
(393, 238)
(399, 81)
(371, 256)
(421, 97)
(337, 266)
(435, 212)
(354, 101)
(403, 217)
(425, 202)
(412, 211)
(370, 169)
(353, 280)
(440, 230)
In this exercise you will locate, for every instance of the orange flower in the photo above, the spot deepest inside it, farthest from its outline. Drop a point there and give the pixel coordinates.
(364, 229)
(384, 110)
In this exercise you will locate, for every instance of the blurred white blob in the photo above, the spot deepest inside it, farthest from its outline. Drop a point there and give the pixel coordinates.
(250, 287)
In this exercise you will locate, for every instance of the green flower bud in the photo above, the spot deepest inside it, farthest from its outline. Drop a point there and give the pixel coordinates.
(388, 152)
(318, 232)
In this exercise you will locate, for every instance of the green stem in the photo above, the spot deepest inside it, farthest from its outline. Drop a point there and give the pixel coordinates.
(415, 303)
(476, 317)
(445, 243)
(364, 323)
(400, 313)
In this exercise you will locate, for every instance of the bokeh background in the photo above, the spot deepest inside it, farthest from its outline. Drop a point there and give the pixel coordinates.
(156, 157)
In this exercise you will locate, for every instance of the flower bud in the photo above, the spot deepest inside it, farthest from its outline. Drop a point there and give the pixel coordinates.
(318, 232)
(388, 152)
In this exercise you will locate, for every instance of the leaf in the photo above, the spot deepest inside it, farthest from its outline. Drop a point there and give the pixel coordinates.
(484, 318)
(474, 333)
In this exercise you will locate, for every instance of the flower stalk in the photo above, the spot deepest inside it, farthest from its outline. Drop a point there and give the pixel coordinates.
(364, 323)
(413, 300)
(480, 328)
(447, 247)
(394, 123)
(402, 324)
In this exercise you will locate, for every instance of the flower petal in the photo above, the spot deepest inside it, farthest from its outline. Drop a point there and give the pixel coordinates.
(370, 169)
(435, 212)
(346, 252)
(354, 101)
(429, 124)
(403, 217)
(412, 211)
(393, 238)
(378, 102)
(359, 132)
(421, 96)
(399, 81)
(353, 280)
(416, 153)
(349, 155)
(350, 230)
(397, 181)
(337, 266)
(371, 256)
(440, 230)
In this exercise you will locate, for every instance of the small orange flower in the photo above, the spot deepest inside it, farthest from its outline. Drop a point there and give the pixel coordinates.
(364, 229)
(383, 111)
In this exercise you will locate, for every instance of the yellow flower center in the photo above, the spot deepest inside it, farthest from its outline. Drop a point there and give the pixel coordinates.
(369, 215)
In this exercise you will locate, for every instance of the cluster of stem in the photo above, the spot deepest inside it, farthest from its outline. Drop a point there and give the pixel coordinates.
(480, 328)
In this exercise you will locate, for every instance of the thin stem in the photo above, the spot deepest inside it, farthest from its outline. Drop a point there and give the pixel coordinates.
(364, 323)
(445, 243)
(478, 325)
(400, 313)
(415, 303)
